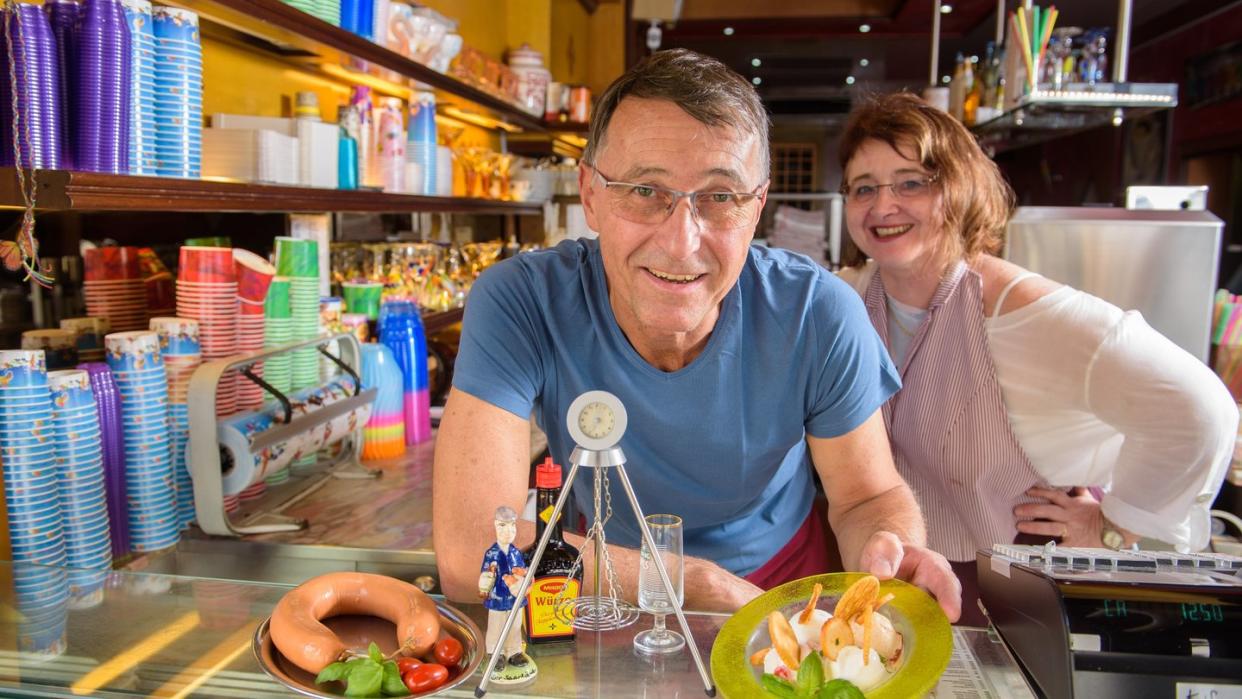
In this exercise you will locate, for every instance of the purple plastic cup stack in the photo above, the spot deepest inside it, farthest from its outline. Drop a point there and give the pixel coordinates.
(63, 16)
(108, 407)
(102, 88)
(36, 68)
(142, 160)
(83, 495)
(178, 93)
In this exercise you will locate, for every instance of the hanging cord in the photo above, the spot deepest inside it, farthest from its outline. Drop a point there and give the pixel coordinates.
(22, 253)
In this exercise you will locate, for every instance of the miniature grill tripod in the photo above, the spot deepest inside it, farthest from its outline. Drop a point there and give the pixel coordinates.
(596, 421)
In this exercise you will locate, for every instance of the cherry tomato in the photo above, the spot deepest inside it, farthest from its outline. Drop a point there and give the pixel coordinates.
(404, 665)
(425, 677)
(448, 651)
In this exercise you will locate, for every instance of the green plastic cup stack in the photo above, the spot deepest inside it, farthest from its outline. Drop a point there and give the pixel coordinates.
(363, 297)
(210, 241)
(298, 260)
(278, 331)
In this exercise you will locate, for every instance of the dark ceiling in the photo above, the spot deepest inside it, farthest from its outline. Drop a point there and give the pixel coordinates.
(807, 50)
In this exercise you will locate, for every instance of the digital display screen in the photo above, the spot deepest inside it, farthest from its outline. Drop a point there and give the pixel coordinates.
(1159, 627)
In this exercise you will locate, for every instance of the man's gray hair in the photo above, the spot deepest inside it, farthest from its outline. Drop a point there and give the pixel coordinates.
(703, 87)
(505, 514)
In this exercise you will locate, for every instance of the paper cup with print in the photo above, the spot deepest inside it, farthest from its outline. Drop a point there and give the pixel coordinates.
(254, 276)
(133, 351)
(71, 389)
(296, 257)
(178, 336)
(110, 264)
(206, 265)
(23, 369)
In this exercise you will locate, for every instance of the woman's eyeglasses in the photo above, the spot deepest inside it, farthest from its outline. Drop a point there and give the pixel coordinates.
(720, 210)
(908, 188)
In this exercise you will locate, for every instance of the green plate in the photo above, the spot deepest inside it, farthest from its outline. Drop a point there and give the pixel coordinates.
(927, 637)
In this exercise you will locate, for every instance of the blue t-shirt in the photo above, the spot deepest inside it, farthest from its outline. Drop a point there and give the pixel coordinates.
(501, 598)
(720, 442)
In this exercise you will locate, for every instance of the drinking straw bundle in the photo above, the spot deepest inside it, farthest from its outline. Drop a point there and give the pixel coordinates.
(1032, 37)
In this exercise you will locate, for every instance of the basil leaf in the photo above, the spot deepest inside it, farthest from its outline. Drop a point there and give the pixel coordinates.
(778, 687)
(365, 680)
(810, 674)
(374, 652)
(331, 673)
(839, 689)
(392, 684)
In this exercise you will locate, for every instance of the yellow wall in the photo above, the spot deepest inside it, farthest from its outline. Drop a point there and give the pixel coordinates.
(239, 81)
(587, 49)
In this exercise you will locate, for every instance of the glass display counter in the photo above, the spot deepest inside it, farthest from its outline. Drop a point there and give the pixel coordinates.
(131, 634)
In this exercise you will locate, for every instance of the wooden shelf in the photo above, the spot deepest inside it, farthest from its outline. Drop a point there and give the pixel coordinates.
(66, 190)
(297, 36)
(435, 322)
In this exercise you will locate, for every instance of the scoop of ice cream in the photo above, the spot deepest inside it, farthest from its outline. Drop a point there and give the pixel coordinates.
(849, 666)
(808, 633)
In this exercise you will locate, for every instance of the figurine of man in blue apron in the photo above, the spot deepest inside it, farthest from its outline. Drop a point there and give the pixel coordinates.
(500, 577)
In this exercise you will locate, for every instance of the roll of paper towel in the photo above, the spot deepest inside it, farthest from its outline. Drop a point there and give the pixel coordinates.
(237, 434)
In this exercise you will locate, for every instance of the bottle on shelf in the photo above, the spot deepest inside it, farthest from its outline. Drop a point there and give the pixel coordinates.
(972, 92)
(552, 583)
(957, 88)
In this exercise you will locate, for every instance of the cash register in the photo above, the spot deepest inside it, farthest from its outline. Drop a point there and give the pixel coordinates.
(1100, 623)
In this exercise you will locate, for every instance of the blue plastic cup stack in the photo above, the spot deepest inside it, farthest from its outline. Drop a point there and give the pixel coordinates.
(178, 93)
(101, 88)
(182, 353)
(142, 158)
(420, 148)
(138, 369)
(36, 66)
(31, 487)
(83, 493)
(401, 330)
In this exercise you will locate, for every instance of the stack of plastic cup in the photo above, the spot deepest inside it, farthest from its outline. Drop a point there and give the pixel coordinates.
(138, 368)
(31, 493)
(254, 277)
(401, 328)
(113, 287)
(60, 347)
(363, 297)
(278, 370)
(36, 66)
(142, 158)
(178, 93)
(83, 494)
(207, 292)
(90, 334)
(63, 16)
(298, 260)
(420, 150)
(182, 353)
(384, 434)
(108, 409)
(101, 94)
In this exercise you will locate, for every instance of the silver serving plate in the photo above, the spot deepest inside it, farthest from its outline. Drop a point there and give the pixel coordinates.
(357, 632)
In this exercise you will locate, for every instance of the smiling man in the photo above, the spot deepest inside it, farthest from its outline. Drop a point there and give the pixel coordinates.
(744, 370)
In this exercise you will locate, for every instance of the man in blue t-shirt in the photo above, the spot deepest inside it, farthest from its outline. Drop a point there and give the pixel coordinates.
(742, 369)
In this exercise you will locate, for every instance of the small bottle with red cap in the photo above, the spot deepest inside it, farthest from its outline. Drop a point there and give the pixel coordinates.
(552, 583)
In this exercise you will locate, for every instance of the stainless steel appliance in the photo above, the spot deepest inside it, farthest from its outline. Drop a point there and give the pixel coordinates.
(1100, 623)
(1161, 263)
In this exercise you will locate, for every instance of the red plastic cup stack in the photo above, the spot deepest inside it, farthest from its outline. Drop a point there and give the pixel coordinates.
(207, 292)
(254, 277)
(113, 287)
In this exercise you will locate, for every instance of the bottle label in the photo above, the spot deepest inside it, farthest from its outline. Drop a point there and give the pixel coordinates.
(546, 514)
(541, 617)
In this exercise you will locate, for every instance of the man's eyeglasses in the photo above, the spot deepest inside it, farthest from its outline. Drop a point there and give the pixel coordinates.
(909, 188)
(719, 210)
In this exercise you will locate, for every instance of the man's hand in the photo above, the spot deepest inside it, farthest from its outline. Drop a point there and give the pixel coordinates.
(710, 588)
(884, 556)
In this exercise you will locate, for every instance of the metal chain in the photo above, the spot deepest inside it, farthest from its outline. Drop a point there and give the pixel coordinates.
(27, 183)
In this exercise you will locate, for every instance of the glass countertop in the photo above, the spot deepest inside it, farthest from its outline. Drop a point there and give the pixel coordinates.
(127, 634)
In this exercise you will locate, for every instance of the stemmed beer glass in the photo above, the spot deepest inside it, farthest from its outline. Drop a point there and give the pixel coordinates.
(652, 596)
